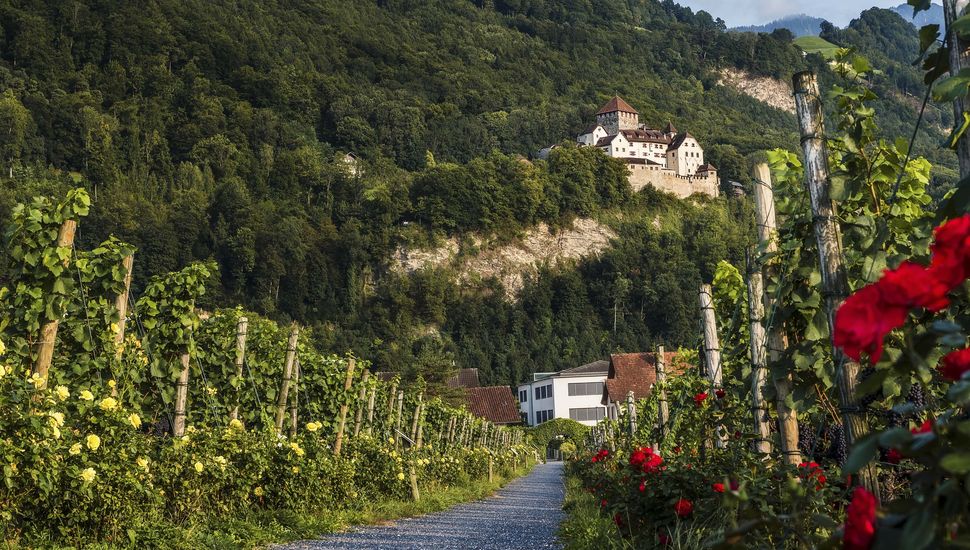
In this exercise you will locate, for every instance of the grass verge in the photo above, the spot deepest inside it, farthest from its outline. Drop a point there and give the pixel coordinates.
(584, 526)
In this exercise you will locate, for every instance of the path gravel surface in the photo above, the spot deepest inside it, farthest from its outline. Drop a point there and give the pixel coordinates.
(525, 514)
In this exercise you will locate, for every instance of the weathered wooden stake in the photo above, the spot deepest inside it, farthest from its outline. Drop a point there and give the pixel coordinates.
(414, 419)
(959, 60)
(415, 493)
(181, 397)
(48, 332)
(663, 412)
(419, 440)
(764, 200)
(712, 347)
(242, 328)
(759, 371)
(391, 420)
(348, 382)
(287, 377)
(370, 410)
(295, 399)
(361, 400)
(400, 419)
(121, 306)
(631, 408)
(835, 285)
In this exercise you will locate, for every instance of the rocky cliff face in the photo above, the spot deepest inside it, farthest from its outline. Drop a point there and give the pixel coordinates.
(775, 93)
(509, 263)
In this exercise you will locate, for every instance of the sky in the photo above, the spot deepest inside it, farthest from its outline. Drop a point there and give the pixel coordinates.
(756, 12)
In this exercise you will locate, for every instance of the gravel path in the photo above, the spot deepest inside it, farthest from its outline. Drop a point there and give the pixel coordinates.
(525, 514)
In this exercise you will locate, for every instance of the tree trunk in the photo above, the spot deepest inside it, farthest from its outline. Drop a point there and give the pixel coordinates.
(835, 286)
(767, 235)
(759, 371)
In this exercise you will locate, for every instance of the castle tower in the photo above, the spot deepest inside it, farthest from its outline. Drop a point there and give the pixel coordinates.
(617, 115)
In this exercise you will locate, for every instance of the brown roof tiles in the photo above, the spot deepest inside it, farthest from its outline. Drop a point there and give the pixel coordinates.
(637, 372)
(493, 403)
(616, 104)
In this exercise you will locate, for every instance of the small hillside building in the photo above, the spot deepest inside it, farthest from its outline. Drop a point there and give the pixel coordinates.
(637, 373)
(669, 160)
(573, 393)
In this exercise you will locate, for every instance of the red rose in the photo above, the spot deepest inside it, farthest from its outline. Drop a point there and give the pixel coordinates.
(637, 458)
(603, 503)
(912, 285)
(664, 539)
(683, 508)
(926, 427)
(699, 398)
(955, 364)
(643, 486)
(950, 246)
(677, 449)
(719, 393)
(864, 320)
(893, 456)
(718, 487)
(860, 521)
(734, 485)
(618, 519)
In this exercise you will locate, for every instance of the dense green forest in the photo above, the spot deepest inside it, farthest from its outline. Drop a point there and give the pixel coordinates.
(216, 129)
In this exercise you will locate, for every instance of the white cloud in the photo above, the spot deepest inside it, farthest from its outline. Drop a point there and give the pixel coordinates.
(756, 12)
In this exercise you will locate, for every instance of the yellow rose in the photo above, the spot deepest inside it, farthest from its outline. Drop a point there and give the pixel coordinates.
(235, 424)
(258, 491)
(56, 419)
(3, 348)
(115, 328)
(88, 475)
(35, 379)
(400, 476)
(135, 420)
(312, 426)
(86, 395)
(56, 432)
(296, 449)
(199, 467)
(211, 391)
(296, 469)
(390, 440)
(93, 442)
(62, 392)
(3, 371)
(142, 463)
(75, 449)
(112, 384)
(108, 404)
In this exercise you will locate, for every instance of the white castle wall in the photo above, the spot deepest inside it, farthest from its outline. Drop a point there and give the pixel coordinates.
(667, 180)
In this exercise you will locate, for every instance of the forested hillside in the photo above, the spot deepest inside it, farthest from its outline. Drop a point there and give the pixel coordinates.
(216, 129)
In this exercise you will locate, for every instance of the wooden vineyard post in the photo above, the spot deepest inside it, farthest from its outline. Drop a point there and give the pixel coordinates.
(181, 397)
(399, 418)
(415, 418)
(959, 54)
(348, 382)
(48, 332)
(419, 440)
(121, 306)
(413, 471)
(361, 400)
(242, 329)
(712, 347)
(835, 285)
(295, 399)
(287, 377)
(631, 407)
(390, 411)
(663, 412)
(764, 201)
(759, 371)
(370, 410)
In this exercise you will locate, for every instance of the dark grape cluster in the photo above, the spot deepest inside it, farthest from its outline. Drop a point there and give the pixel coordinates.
(838, 447)
(807, 440)
(917, 397)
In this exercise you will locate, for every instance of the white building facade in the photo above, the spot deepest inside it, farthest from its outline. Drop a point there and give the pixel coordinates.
(573, 393)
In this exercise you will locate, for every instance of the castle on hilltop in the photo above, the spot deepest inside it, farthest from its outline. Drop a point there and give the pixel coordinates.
(667, 159)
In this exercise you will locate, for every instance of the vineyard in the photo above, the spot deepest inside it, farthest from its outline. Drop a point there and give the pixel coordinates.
(819, 417)
(119, 414)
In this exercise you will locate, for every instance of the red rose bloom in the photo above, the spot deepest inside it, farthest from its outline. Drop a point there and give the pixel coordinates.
(912, 285)
(664, 539)
(950, 246)
(699, 398)
(720, 393)
(955, 364)
(718, 487)
(677, 449)
(893, 456)
(734, 485)
(683, 508)
(618, 519)
(860, 521)
(926, 427)
(643, 486)
(864, 320)
(603, 503)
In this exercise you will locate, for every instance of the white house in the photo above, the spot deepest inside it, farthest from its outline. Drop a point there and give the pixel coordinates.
(573, 393)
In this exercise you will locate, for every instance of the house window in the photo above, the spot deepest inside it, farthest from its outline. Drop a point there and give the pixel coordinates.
(588, 413)
(586, 388)
(523, 396)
